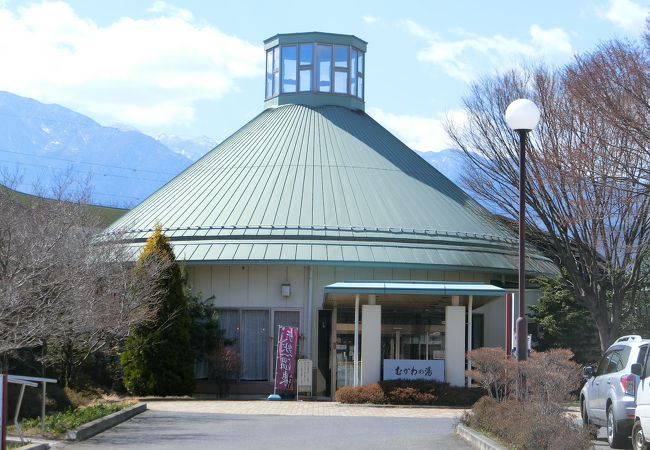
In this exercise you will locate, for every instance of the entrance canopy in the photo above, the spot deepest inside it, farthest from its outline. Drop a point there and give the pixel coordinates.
(409, 291)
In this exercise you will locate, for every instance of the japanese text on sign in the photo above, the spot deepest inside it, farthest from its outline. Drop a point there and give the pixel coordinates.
(286, 358)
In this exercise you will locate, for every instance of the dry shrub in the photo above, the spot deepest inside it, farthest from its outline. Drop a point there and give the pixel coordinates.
(410, 396)
(525, 425)
(493, 371)
(369, 393)
(82, 398)
(525, 408)
(551, 376)
(548, 377)
(409, 392)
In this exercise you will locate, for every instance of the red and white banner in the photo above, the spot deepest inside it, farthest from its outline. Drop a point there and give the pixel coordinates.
(285, 373)
(3, 411)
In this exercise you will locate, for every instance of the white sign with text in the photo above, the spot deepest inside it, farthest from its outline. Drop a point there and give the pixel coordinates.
(304, 373)
(414, 369)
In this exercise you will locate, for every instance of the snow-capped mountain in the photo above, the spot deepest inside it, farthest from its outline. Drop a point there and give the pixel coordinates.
(192, 148)
(43, 143)
(450, 162)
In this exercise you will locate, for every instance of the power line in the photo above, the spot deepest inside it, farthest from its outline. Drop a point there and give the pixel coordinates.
(93, 193)
(87, 163)
(18, 163)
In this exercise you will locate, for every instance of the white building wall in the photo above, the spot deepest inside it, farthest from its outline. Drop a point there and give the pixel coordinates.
(259, 287)
(494, 314)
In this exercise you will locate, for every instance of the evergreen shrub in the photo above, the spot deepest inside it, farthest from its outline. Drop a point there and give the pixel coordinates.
(158, 359)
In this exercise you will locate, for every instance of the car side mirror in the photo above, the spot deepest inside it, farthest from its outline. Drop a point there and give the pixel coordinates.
(636, 369)
(588, 371)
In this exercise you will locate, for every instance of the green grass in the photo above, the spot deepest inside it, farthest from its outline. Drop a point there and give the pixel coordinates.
(60, 422)
(11, 445)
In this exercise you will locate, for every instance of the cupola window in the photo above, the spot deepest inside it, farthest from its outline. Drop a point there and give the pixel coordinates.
(314, 67)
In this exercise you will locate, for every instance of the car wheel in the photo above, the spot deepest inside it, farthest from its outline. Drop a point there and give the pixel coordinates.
(638, 440)
(583, 413)
(614, 438)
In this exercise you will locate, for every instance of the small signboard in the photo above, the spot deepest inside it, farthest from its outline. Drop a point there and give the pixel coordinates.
(414, 369)
(3, 411)
(304, 379)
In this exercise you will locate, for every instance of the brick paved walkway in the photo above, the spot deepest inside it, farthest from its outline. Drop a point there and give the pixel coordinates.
(300, 408)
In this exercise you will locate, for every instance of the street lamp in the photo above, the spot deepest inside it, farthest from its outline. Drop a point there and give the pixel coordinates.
(522, 116)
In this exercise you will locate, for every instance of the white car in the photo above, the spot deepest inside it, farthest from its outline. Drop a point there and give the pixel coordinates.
(607, 398)
(640, 440)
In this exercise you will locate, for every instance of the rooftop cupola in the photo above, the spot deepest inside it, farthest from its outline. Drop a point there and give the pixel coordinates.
(315, 69)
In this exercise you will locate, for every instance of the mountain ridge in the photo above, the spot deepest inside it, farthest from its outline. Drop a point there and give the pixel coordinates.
(45, 143)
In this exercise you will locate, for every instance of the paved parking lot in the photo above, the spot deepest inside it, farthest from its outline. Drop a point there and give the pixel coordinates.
(285, 424)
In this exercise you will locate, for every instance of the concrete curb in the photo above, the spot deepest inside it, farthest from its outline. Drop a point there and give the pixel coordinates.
(104, 423)
(476, 439)
(32, 446)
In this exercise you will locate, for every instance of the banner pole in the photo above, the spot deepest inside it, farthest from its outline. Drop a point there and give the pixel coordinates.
(275, 396)
(277, 357)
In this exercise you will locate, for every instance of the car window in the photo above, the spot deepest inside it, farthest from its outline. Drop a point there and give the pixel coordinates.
(646, 367)
(604, 362)
(622, 362)
(614, 361)
(642, 352)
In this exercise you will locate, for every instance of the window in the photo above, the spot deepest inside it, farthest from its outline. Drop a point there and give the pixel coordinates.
(646, 367)
(617, 360)
(305, 80)
(614, 362)
(642, 351)
(340, 82)
(289, 79)
(314, 68)
(324, 74)
(276, 70)
(341, 70)
(360, 74)
(269, 73)
(625, 355)
(604, 362)
(341, 60)
(306, 52)
(353, 72)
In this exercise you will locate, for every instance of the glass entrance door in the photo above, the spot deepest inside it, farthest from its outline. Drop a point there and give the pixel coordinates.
(255, 345)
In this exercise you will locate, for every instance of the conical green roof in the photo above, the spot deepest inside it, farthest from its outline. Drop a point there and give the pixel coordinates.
(323, 185)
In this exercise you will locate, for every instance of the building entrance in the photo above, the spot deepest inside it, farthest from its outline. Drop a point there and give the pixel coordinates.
(407, 333)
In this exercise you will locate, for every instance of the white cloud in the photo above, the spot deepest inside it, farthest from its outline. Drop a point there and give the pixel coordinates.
(553, 41)
(467, 57)
(419, 133)
(165, 9)
(146, 72)
(370, 19)
(626, 14)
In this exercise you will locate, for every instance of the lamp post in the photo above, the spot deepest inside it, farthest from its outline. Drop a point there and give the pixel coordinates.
(522, 116)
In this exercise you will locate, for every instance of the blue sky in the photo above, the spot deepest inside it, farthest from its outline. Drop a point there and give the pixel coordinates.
(195, 68)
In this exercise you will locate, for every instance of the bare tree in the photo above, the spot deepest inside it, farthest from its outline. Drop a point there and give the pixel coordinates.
(614, 82)
(590, 215)
(61, 286)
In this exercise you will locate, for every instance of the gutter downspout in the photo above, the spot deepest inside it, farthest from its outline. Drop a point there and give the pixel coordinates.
(310, 304)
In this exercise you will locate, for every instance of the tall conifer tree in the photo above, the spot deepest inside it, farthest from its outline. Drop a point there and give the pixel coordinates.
(158, 359)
